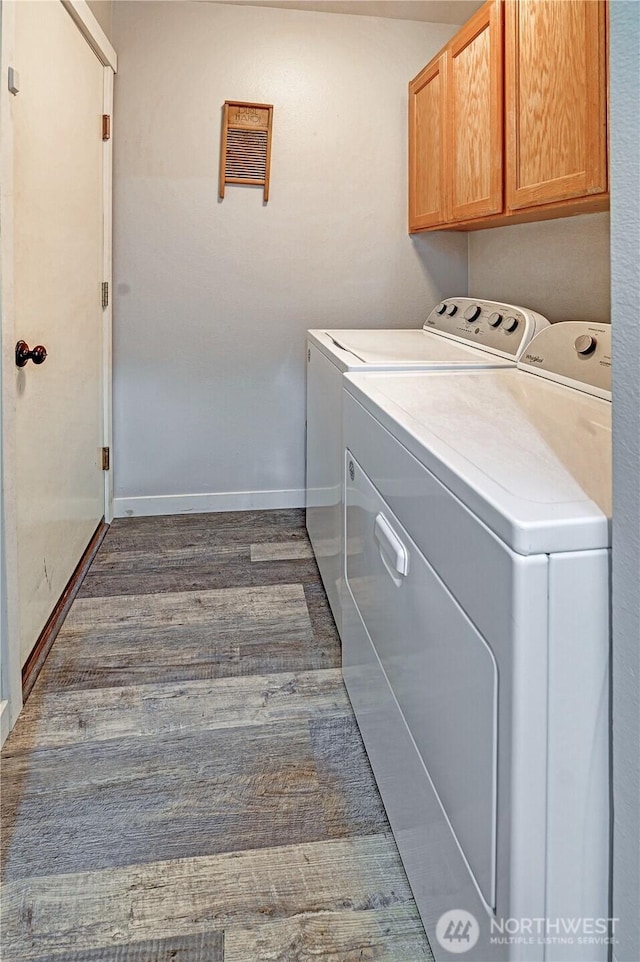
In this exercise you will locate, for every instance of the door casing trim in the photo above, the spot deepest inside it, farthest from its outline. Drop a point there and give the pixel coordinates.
(92, 31)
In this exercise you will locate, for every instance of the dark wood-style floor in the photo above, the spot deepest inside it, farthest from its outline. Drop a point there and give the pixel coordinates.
(187, 781)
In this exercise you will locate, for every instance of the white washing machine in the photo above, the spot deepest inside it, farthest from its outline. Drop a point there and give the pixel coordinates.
(460, 332)
(476, 639)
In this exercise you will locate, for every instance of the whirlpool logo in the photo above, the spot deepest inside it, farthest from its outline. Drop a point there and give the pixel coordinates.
(534, 359)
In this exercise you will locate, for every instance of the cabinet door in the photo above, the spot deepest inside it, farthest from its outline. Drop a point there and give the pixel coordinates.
(555, 100)
(427, 192)
(475, 119)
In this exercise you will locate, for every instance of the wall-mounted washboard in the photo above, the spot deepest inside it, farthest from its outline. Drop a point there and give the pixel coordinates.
(245, 155)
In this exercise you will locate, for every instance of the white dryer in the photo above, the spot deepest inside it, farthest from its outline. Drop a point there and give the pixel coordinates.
(459, 333)
(476, 639)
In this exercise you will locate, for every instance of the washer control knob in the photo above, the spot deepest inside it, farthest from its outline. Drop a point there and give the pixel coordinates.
(452, 309)
(495, 319)
(441, 308)
(510, 323)
(472, 312)
(585, 344)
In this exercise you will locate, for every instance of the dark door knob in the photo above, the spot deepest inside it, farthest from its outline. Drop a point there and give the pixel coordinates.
(38, 355)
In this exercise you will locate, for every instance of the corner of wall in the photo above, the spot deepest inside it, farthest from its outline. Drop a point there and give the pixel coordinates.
(625, 263)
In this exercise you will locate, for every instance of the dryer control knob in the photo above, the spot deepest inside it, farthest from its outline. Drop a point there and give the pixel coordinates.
(441, 308)
(495, 319)
(585, 344)
(472, 312)
(510, 323)
(452, 309)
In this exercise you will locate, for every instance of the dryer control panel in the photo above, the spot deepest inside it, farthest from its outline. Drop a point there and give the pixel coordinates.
(577, 353)
(503, 329)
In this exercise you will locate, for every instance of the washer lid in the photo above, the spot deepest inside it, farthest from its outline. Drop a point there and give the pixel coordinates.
(417, 348)
(530, 457)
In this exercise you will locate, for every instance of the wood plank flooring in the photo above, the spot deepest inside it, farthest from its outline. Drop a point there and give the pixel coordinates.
(187, 780)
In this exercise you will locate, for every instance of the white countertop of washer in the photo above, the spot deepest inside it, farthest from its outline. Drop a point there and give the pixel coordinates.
(410, 349)
(531, 458)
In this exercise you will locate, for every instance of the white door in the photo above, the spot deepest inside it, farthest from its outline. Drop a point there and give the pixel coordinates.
(58, 244)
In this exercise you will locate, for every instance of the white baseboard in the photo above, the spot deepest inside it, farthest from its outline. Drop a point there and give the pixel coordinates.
(218, 501)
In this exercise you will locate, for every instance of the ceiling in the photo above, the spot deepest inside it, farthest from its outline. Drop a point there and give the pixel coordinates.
(432, 11)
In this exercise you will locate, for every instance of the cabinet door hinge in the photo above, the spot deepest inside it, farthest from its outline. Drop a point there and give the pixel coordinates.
(106, 459)
(106, 127)
(105, 294)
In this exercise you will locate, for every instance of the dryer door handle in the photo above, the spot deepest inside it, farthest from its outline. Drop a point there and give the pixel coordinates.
(390, 547)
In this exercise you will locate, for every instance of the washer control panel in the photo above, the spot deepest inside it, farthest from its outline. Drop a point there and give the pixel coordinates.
(499, 328)
(577, 353)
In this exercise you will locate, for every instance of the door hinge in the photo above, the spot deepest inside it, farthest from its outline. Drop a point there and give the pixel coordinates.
(106, 459)
(106, 127)
(105, 294)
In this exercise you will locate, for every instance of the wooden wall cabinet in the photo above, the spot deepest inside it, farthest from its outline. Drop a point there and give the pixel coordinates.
(474, 115)
(556, 101)
(455, 127)
(427, 132)
(518, 103)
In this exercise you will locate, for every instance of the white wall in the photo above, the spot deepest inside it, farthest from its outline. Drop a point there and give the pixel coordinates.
(557, 267)
(212, 300)
(625, 266)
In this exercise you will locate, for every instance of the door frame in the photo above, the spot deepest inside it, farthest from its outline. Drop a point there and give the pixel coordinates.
(10, 667)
